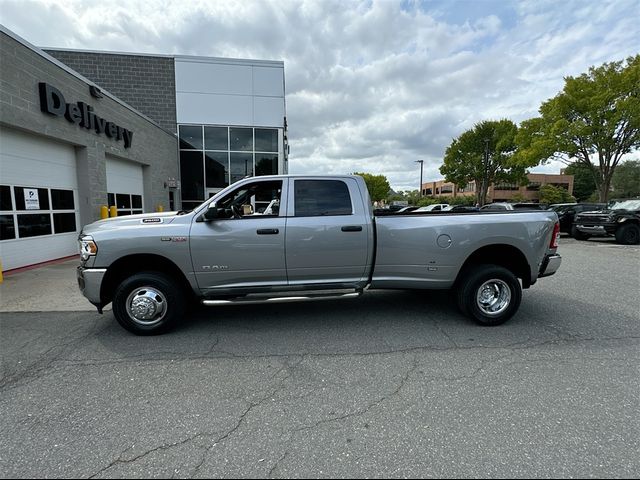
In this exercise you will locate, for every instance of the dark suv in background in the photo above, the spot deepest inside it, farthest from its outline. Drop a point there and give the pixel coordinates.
(568, 211)
(621, 219)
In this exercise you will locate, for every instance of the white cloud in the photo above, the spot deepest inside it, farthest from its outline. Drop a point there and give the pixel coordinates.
(371, 85)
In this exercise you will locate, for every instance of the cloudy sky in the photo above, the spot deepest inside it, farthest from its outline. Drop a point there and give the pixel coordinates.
(370, 85)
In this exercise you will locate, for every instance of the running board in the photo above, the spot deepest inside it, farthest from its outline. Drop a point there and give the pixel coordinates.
(262, 299)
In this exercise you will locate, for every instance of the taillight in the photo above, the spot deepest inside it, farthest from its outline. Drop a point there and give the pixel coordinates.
(556, 236)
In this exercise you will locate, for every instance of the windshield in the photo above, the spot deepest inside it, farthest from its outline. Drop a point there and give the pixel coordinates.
(561, 208)
(626, 205)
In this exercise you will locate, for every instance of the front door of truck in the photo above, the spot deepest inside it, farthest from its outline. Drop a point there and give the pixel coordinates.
(327, 232)
(244, 246)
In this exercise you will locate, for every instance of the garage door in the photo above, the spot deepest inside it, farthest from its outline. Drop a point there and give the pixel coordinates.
(39, 197)
(125, 185)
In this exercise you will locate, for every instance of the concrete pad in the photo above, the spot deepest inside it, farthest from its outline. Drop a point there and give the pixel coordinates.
(50, 288)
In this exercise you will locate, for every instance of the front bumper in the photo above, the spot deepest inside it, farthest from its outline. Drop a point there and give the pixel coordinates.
(550, 265)
(89, 282)
(592, 229)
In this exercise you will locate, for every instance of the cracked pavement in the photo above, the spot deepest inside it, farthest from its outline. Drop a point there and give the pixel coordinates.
(393, 384)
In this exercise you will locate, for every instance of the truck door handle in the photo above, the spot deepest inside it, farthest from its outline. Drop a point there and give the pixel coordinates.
(352, 228)
(268, 231)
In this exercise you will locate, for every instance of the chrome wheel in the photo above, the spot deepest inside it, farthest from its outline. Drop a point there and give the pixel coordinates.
(493, 297)
(146, 306)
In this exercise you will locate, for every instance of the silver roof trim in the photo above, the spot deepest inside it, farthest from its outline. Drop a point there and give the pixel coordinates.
(193, 58)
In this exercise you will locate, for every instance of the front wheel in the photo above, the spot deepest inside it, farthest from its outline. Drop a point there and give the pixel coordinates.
(489, 294)
(148, 303)
(628, 234)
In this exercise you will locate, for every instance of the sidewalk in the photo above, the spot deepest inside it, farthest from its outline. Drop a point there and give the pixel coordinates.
(50, 288)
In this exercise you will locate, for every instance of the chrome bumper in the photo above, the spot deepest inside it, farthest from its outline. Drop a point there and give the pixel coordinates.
(89, 282)
(550, 265)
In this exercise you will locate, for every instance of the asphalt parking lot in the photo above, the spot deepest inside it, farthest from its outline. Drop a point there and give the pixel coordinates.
(393, 384)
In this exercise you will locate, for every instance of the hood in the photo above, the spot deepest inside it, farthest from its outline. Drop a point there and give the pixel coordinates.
(141, 220)
(606, 213)
(595, 213)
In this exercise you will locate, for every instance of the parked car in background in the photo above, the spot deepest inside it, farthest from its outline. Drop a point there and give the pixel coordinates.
(568, 211)
(498, 206)
(622, 219)
(407, 209)
(436, 207)
(460, 209)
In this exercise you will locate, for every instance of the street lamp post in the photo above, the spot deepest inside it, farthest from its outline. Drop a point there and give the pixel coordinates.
(421, 162)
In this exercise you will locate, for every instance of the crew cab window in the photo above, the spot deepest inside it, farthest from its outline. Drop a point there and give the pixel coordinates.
(322, 197)
(253, 200)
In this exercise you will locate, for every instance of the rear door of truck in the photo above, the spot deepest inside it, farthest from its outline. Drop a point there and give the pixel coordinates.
(328, 234)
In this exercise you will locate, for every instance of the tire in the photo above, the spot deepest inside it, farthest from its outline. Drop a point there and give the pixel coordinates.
(628, 234)
(578, 235)
(148, 303)
(500, 284)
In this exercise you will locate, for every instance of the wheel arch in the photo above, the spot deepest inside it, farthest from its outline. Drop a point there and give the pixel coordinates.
(503, 255)
(129, 265)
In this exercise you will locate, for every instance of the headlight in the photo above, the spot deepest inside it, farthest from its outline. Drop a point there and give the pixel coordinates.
(88, 248)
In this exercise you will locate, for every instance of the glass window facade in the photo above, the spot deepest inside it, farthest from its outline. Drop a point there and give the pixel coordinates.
(213, 157)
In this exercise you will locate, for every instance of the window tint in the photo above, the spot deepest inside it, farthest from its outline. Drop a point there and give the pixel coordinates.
(241, 139)
(136, 201)
(33, 225)
(123, 200)
(62, 199)
(241, 165)
(216, 138)
(321, 197)
(5, 198)
(266, 140)
(266, 164)
(64, 222)
(192, 175)
(191, 137)
(7, 228)
(216, 169)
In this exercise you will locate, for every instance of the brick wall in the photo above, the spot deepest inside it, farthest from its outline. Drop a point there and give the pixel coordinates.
(147, 83)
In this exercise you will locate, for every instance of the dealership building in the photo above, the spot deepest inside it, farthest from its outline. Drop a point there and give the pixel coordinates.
(80, 130)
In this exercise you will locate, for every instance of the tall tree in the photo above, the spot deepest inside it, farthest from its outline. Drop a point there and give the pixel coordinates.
(484, 155)
(626, 180)
(583, 180)
(378, 185)
(595, 121)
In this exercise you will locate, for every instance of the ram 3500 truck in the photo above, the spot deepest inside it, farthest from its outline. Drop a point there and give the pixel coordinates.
(288, 238)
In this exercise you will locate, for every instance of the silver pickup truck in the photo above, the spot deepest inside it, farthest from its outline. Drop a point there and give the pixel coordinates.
(289, 238)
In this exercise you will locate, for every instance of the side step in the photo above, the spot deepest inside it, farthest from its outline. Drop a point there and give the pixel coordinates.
(270, 298)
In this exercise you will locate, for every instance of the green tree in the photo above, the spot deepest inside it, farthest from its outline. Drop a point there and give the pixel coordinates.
(484, 154)
(551, 194)
(594, 120)
(378, 185)
(626, 179)
(584, 183)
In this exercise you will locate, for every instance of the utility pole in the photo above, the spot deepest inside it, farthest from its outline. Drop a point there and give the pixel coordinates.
(421, 162)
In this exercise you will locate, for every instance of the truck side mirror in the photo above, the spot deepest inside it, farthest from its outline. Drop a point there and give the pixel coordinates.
(212, 213)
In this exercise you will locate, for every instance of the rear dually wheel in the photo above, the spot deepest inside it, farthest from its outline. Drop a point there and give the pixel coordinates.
(489, 294)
